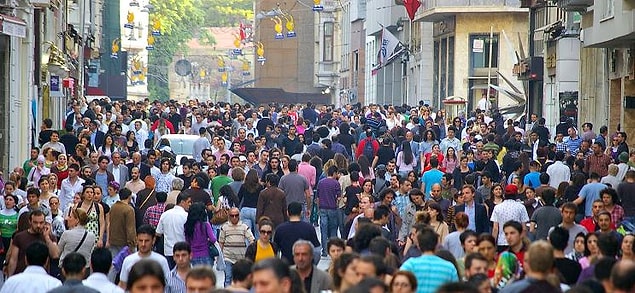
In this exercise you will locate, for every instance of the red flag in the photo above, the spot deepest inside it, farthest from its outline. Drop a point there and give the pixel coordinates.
(411, 7)
(242, 31)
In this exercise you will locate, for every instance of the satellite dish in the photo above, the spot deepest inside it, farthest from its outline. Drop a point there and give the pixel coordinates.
(183, 67)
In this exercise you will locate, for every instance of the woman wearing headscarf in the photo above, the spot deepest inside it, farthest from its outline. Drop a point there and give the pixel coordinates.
(39, 171)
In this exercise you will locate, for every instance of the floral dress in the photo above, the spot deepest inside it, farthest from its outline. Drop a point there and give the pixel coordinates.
(93, 220)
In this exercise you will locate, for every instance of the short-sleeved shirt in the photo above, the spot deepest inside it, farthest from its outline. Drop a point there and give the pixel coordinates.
(22, 240)
(507, 211)
(430, 178)
(294, 186)
(290, 232)
(431, 272)
(590, 192)
(545, 218)
(134, 258)
(328, 191)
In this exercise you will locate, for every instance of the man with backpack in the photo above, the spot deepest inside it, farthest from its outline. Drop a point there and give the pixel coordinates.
(368, 146)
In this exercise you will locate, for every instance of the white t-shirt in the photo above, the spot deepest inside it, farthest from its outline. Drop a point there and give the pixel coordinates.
(132, 259)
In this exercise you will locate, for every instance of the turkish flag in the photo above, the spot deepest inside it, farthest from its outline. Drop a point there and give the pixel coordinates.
(242, 31)
(411, 7)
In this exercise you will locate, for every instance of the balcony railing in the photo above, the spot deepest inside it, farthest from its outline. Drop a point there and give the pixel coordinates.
(431, 4)
(436, 10)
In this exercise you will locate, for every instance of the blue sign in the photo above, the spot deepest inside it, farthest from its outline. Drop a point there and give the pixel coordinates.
(55, 83)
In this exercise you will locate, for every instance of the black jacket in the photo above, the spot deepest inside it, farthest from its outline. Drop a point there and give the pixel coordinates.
(480, 213)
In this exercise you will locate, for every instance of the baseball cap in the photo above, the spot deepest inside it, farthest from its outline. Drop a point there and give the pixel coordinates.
(511, 189)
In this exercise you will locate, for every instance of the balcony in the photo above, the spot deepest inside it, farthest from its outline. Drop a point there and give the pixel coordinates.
(437, 10)
(574, 5)
(612, 31)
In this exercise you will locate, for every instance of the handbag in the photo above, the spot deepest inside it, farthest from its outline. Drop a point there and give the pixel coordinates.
(221, 216)
(213, 251)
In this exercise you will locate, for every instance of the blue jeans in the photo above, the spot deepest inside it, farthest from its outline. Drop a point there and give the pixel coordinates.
(328, 226)
(340, 219)
(248, 216)
(228, 273)
(201, 261)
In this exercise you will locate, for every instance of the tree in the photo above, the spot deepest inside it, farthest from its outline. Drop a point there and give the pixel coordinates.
(207, 38)
(177, 17)
(224, 13)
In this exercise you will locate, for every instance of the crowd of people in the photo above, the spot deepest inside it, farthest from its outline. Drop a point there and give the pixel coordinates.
(393, 198)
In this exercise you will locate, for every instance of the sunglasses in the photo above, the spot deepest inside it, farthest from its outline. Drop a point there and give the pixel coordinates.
(265, 231)
(234, 216)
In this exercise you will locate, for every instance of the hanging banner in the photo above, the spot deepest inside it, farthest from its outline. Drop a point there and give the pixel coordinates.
(55, 84)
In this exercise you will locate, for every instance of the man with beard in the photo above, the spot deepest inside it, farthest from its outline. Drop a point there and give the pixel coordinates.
(39, 230)
(135, 184)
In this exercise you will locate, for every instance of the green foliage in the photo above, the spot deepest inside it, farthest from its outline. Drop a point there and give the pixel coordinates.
(223, 13)
(178, 18)
(207, 38)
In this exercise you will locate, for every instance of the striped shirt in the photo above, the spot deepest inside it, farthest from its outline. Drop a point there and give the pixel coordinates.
(174, 282)
(431, 272)
(234, 240)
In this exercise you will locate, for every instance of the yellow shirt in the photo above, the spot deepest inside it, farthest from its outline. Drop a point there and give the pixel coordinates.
(263, 252)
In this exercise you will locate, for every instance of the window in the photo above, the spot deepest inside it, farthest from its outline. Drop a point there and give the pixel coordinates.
(443, 62)
(328, 41)
(609, 9)
(480, 51)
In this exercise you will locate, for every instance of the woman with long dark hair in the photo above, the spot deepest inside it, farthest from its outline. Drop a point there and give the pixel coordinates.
(429, 139)
(366, 170)
(436, 220)
(248, 199)
(132, 145)
(406, 161)
(108, 147)
(199, 234)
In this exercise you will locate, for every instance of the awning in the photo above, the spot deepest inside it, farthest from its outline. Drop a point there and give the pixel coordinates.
(12, 26)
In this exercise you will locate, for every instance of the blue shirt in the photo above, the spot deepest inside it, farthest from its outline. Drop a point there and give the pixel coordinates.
(401, 201)
(470, 211)
(573, 144)
(532, 179)
(429, 178)
(590, 192)
(431, 272)
(101, 179)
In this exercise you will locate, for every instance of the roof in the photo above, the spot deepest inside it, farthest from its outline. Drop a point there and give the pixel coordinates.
(263, 96)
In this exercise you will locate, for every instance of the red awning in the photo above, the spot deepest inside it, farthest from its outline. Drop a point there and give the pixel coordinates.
(12, 26)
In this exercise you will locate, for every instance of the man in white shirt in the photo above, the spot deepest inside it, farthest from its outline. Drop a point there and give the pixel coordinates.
(140, 134)
(100, 263)
(484, 103)
(70, 186)
(171, 225)
(145, 242)
(558, 171)
(34, 278)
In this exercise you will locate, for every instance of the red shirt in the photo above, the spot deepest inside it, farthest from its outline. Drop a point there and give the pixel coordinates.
(591, 226)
